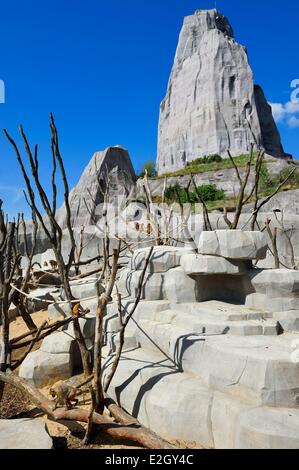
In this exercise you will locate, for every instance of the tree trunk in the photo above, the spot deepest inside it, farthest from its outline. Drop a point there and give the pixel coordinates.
(140, 435)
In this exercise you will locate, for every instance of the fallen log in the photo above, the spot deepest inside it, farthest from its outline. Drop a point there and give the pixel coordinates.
(135, 432)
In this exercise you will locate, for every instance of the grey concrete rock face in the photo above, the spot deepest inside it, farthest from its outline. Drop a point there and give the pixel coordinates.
(211, 102)
(56, 311)
(288, 320)
(58, 343)
(268, 429)
(206, 265)
(234, 244)
(163, 258)
(179, 287)
(84, 289)
(24, 434)
(87, 325)
(275, 304)
(38, 298)
(42, 368)
(277, 283)
(115, 160)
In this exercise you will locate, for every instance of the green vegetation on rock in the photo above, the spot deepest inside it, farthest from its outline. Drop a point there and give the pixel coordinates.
(207, 192)
(205, 164)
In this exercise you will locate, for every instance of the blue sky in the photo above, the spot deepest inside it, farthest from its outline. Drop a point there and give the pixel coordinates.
(102, 68)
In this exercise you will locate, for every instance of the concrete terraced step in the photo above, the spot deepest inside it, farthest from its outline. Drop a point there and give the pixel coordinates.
(258, 368)
(223, 310)
(180, 405)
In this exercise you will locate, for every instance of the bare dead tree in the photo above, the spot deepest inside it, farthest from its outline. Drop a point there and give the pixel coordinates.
(207, 224)
(261, 204)
(103, 299)
(126, 322)
(54, 233)
(9, 261)
(137, 433)
(288, 233)
(22, 282)
(242, 198)
(273, 239)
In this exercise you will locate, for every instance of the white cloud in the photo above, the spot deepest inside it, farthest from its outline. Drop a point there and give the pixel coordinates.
(293, 122)
(288, 113)
(17, 193)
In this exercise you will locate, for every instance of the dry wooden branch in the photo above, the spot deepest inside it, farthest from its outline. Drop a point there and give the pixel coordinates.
(55, 233)
(126, 322)
(258, 207)
(273, 238)
(140, 435)
(101, 311)
(243, 185)
(207, 223)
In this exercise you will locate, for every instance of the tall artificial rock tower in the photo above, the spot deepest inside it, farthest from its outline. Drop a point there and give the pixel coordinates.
(212, 103)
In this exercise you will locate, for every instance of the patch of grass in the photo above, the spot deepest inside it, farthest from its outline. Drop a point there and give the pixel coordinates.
(197, 166)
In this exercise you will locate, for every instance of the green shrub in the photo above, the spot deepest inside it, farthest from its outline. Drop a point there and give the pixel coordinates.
(207, 192)
(150, 167)
(268, 181)
(206, 160)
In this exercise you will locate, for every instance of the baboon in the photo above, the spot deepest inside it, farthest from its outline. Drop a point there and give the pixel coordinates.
(53, 264)
(65, 395)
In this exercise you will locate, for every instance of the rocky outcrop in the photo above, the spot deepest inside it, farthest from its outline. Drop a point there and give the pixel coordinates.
(26, 434)
(114, 161)
(226, 369)
(211, 102)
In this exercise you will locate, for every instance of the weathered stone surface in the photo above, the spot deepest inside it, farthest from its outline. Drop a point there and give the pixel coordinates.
(275, 304)
(85, 289)
(163, 258)
(276, 283)
(257, 369)
(152, 387)
(90, 305)
(130, 342)
(152, 286)
(123, 282)
(288, 320)
(117, 162)
(179, 287)
(37, 299)
(234, 244)
(224, 179)
(224, 416)
(24, 434)
(222, 311)
(56, 311)
(204, 265)
(42, 369)
(87, 325)
(58, 343)
(211, 103)
(265, 428)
